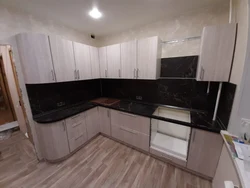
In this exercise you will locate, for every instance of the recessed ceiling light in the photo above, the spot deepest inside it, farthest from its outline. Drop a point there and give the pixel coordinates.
(95, 13)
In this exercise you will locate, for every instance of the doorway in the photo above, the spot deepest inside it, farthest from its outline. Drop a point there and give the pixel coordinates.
(7, 113)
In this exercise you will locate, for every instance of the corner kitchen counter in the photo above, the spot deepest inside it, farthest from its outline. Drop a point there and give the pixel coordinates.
(199, 119)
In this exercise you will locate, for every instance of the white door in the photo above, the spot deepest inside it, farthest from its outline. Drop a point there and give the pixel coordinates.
(92, 122)
(94, 59)
(128, 60)
(63, 59)
(148, 58)
(114, 61)
(103, 62)
(35, 55)
(104, 114)
(82, 58)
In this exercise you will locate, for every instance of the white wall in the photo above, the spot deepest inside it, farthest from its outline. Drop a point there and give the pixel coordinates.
(13, 22)
(241, 66)
(187, 25)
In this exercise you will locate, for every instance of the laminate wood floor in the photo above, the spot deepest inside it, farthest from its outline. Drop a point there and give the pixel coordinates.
(101, 163)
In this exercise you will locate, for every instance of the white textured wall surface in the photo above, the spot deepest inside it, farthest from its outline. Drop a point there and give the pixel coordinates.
(13, 22)
(241, 67)
(187, 25)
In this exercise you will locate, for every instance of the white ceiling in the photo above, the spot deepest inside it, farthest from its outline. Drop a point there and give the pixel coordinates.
(118, 15)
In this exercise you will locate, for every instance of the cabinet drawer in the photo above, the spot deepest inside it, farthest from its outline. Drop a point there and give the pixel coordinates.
(75, 119)
(130, 121)
(168, 157)
(76, 130)
(76, 142)
(131, 137)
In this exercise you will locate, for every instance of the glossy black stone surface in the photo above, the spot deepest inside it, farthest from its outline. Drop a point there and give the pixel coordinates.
(199, 119)
(179, 67)
(44, 98)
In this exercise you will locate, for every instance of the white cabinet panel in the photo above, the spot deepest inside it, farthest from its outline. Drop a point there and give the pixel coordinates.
(104, 114)
(92, 122)
(128, 59)
(148, 58)
(35, 55)
(63, 58)
(103, 62)
(114, 61)
(54, 140)
(94, 59)
(216, 54)
(82, 58)
(204, 152)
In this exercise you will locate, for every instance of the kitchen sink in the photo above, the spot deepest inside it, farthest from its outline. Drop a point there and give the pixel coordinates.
(171, 113)
(105, 101)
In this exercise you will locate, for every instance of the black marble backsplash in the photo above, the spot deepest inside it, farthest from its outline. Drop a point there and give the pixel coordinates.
(48, 97)
(179, 67)
(186, 93)
(226, 102)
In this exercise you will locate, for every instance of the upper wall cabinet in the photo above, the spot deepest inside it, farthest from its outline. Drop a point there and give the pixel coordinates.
(128, 60)
(63, 59)
(94, 60)
(103, 62)
(114, 61)
(149, 58)
(82, 59)
(216, 53)
(35, 56)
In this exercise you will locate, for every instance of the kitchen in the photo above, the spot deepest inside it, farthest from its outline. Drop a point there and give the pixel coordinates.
(168, 99)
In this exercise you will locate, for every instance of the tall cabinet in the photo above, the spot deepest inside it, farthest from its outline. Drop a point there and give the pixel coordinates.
(114, 61)
(216, 53)
(94, 60)
(103, 62)
(149, 58)
(128, 60)
(35, 56)
(63, 59)
(82, 60)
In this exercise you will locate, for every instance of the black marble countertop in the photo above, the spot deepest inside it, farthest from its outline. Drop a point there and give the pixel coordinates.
(199, 119)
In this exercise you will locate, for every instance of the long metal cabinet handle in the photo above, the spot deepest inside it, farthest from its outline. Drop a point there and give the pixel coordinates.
(137, 73)
(52, 73)
(64, 126)
(202, 73)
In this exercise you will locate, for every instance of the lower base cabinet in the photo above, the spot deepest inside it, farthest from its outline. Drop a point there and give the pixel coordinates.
(104, 115)
(53, 140)
(125, 127)
(92, 122)
(204, 152)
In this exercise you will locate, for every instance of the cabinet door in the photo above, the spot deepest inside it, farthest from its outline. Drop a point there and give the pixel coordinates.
(77, 131)
(35, 55)
(128, 60)
(104, 114)
(54, 140)
(204, 152)
(103, 62)
(216, 52)
(82, 58)
(114, 61)
(92, 122)
(94, 59)
(148, 58)
(63, 59)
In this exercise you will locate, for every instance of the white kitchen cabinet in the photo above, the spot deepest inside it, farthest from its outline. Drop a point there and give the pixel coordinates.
(63, 59)
(226, 170)
(103, 62)
(94, 59)
(82, 59)
(35, 56)
(114, 61)
(77, 131)
(130, 129)
(104, 115)
(148, 58)
(92, 122)
(204, 152)
(128, 59)
(216, 52)
(53, 140)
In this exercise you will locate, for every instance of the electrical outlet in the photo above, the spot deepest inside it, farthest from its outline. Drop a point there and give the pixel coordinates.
(139, 98)
(59, 104)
